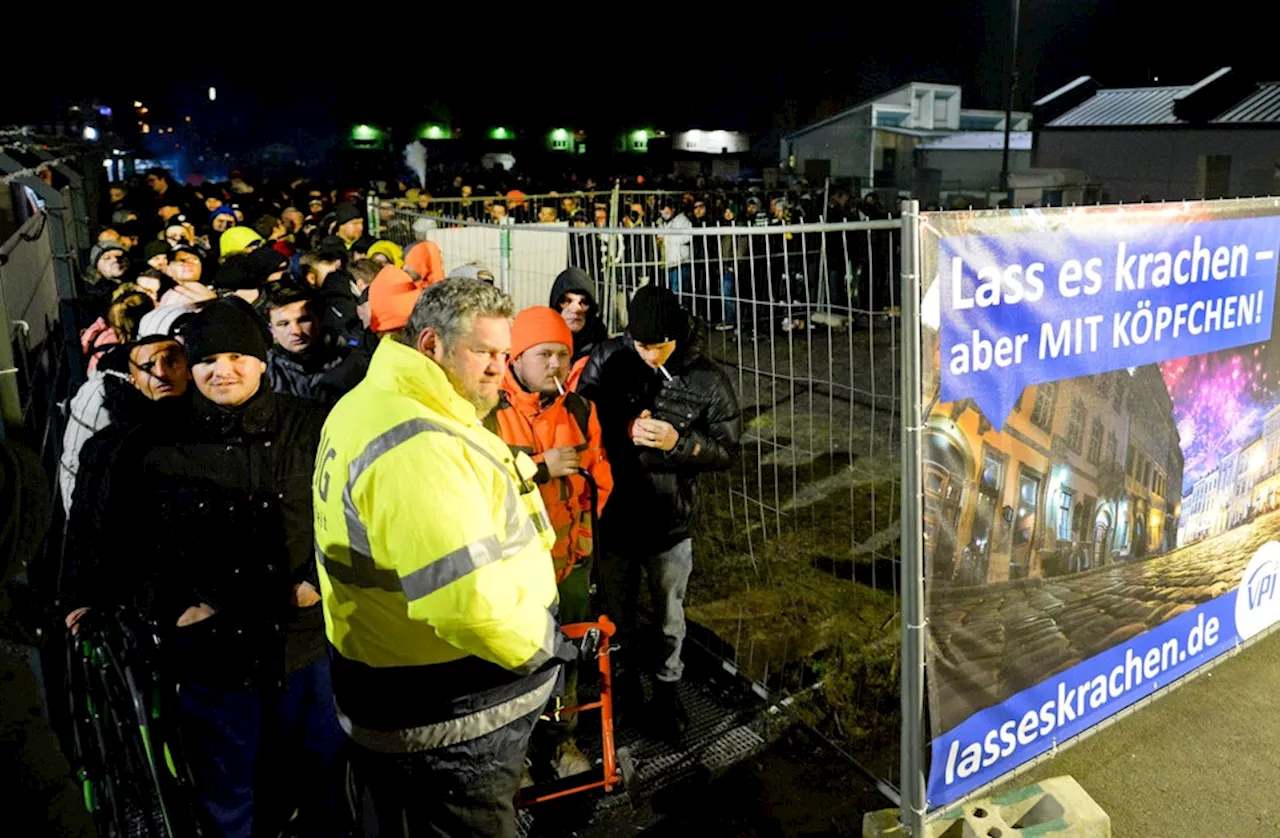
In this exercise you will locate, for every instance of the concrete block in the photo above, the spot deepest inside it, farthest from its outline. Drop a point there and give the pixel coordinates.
(1053, 808)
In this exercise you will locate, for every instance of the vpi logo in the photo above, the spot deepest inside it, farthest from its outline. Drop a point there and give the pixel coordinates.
(1258, 597)
(1261, 584)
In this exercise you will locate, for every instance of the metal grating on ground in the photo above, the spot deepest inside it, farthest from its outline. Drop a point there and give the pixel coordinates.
(718, 737)
(725, 727)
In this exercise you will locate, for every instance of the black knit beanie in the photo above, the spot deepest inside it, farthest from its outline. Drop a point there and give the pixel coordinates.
(655, 316)
(225, 325)
(346, 211)
(238, 273)
(266, 261)
(154, 249)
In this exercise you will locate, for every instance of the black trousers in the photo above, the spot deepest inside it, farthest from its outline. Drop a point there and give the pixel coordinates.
(463, 791)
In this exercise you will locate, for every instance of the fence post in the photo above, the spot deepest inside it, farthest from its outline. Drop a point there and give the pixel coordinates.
(613, 253)
(504, 253)
(913, 806)
(374, 220)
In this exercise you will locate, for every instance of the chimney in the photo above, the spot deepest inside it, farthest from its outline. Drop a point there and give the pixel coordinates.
(1212, 95)
(1071, 95)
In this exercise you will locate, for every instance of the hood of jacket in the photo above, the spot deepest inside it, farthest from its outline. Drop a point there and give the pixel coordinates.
(407, 371)
(572, 281)
(576, 281)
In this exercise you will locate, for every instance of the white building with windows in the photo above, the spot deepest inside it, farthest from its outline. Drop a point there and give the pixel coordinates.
(916, 138)
(699, 141)
(1216, 138)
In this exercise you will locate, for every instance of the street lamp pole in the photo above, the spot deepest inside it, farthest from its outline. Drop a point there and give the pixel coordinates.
(1011, 84)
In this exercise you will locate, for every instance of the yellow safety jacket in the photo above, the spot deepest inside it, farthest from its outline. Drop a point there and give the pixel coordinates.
(435, 571)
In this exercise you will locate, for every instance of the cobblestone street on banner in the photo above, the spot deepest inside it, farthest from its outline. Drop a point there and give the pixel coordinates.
(996, 642)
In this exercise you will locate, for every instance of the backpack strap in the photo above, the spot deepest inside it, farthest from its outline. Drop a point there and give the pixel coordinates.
(579, 408)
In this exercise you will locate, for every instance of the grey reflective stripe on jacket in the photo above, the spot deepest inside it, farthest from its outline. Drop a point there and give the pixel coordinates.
(546, 651)
(451, 731)
(362, 572)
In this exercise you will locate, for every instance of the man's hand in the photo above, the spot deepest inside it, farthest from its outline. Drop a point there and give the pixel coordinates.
(654, 433)
(73, 620)
(195, 614)
(562, 462)
(633, 428)
(188, 294)
(305, 595)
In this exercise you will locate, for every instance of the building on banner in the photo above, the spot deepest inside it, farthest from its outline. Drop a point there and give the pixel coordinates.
(1079, 478)
(1243, 486)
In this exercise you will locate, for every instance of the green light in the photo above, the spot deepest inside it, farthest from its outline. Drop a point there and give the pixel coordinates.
(365, 133)
(641, 135)
(499, 133)
(559, 134)
(434, 131)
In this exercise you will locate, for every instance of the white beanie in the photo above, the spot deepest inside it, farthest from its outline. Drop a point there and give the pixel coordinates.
(162, 320)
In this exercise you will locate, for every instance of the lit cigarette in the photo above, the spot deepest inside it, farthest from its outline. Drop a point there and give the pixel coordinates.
(663, 370)
(559, 386)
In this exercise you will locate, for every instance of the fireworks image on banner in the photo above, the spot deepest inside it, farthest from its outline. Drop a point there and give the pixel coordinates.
(1219, 401)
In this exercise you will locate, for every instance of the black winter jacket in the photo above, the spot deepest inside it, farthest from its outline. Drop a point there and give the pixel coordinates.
(341, 379)
(576, 281)
(301, 374)
(87, 557)
(217, 510)
(655, 493)
(339, 313)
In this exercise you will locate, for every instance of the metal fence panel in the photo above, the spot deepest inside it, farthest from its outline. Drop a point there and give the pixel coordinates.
(797, 549)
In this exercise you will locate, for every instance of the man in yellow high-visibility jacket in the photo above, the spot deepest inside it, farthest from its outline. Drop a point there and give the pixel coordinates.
(435, 571)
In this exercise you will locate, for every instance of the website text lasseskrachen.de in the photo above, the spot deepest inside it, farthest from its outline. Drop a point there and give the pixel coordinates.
(1073, 700)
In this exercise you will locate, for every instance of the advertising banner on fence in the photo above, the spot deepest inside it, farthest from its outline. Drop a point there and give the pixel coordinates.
(1101, 465)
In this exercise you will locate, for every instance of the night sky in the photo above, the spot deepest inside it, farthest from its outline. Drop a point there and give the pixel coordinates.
(1219, 401)
(664, 65)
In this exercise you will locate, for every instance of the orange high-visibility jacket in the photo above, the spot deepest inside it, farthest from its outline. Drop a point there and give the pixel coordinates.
(525, 424)
(424, 261)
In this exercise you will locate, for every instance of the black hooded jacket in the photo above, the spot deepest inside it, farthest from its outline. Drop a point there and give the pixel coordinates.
(300, 374)
(576, 281)
(655, 493)
(216, 509)
(339, 314)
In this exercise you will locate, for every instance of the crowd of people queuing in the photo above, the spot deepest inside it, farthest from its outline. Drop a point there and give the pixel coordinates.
(735, 279)
(354, 498)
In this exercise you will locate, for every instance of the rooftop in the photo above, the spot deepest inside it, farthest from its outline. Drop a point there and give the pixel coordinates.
(1123, 106)
(898, 103)
(1263, 105)
(1225, 97)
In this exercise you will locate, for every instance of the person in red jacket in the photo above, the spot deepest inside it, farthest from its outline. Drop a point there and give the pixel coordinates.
(560, 431)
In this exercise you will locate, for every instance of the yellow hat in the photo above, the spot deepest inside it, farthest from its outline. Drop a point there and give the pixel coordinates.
(389, 249)
(237, 240)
